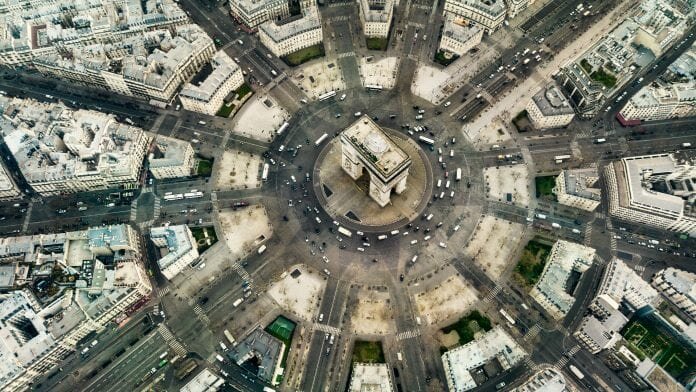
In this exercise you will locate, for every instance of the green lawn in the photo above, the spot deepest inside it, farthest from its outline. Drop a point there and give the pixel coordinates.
(377, 43)
(602, 76)
(586, 65)
(304, 55)
(646, 338)
(225, 110)
(282, 328)
(368, 352)
(544, 185)
(205, 168)
(198, 234)
(467, 326)
(243, 90)
(441, 59)
(532, 262)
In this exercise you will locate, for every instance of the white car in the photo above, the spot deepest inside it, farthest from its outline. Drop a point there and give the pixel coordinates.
(447, 103)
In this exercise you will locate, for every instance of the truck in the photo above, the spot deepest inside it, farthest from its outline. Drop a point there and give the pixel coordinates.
(262, 249)
(345, 232)
(540, 216)
(686, 145)
(458, 176)
(237, 302)
(230, 338)
(382, 237)
(399, 357)
(219, 358)
(321, 139)
(223, 346)
(600, 140)
(654, 242)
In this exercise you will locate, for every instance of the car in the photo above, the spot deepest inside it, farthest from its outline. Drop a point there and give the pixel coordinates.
(327, 272)
(401, 277)
(447, 103)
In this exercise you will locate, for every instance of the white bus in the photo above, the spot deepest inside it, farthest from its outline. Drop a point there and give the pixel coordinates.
(328, 95)
(507, 316)
(373, 87)
(193, 195)
(282, 128)
(237, 302)
(345, 232)
(458, 177)
(561, 157)
(178, 196)
(426, 140)
(229, 337)
(321, 139)
(264, 174)
(577, 372)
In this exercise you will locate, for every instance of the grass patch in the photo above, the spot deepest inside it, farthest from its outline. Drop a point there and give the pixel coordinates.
(606, 79)
(199, 233)
(586, 65)
(376, 43)
(225, 110)
(646, 337)
(440, 58)
(282, 329)
(469, 325)
(242, 91)
(544, 186)
(367, 352)
(205, 168)
(532, 262)
(304, 55)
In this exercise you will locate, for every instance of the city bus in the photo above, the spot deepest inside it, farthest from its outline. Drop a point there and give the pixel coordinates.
(193, 195)
(321, 139)
(178, 196)
(282, 128)
(373, 87)
(426, 140)
(345, 232)
(561, 158)
(458, 177)
(229, 337)
(328, 95)
(264, 174)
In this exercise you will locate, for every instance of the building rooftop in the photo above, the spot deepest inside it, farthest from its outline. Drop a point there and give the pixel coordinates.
(545, 380)
(371, 377)
(460, 32)
(178, 240)
(376, 14)
(491, 8)
(494, 344)
(551, 101)
(281, 32)
(376, 147)
(205, 381)
(582, 183)
(32, 25)
(251, 7)
(6, 183)
(553, 290)
(265, 348)
(636, 173)
(52, 142)
(171, 152)
(682, 281)
(223, 69)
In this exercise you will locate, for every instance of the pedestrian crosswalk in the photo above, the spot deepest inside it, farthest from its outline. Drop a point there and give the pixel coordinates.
(407, 334)
(562, 361)
(599, 215)
(639, 268)
(171, 340)
(162, 291)
(345, 4)
(158, 207)
(338, 18)
(532, 332)
(560, 364)
(588, 235)
(530, 363)
(134, 210)
(200, 313)
(346, 54)
(327, 328)
(492, 293)
(241, 272)
(574, 350)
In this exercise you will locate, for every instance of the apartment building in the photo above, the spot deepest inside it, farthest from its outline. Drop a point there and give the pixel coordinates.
(171, 158)
(8, 188)
(459, 37)
(152, 65)
(549, 108)
(253, 13)
(373, 377)
(653, 190)
(672, 95)
(209, 96)
(292, 34)
(679, 287)
(376, 17)
(488, 14)
(178, 247)
(39, 28)
(552, 291)
(60, 150)
(102, 277)
(609, 64)
(578, 188)
(515, 7)
(601, 328)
